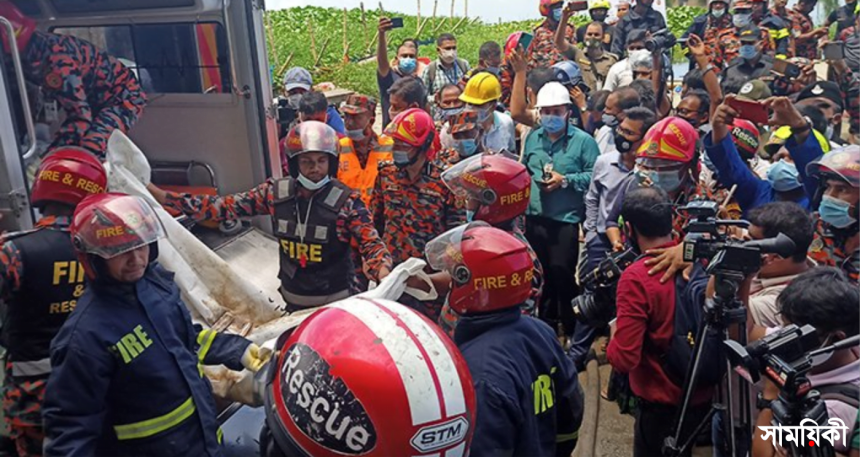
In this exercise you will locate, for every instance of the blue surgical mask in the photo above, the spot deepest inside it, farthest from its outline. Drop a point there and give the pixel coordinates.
(718, 13)
(356, 135)
(401, 159)
(484, 114)
(552, 123)
(747, 51)
(310, 185)
(783, 176)
(407, 65)
(834, 212)
(669, 181)
(556, 14)
(741, 20)
(495, 70)
(467, 147)
(470, 215)
(609, 120)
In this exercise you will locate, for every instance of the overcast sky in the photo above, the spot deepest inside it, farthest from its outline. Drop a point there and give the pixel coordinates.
(488, 10)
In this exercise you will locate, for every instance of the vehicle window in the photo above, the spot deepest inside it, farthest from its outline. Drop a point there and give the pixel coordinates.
(167, 58)
(92, 6)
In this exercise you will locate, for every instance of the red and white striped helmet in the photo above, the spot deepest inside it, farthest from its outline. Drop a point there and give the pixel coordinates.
(370, 378)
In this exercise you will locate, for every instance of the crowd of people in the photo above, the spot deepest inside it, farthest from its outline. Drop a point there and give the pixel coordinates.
(560, 150)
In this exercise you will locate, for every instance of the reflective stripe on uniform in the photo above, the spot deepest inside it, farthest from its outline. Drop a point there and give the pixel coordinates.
(156, 425)
(31, 368)
(204, 340)
(220, 435)
(567, 437)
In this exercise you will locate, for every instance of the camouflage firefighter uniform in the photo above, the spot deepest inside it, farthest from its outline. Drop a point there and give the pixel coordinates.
(730, 44)
(408, 214)
(40, 281)
(829, 249)
(800, 24)
(780, 34)
(713, 32)
(98, 93)
(541, 53)
(353, 219)
(849, 84)
(448, 318)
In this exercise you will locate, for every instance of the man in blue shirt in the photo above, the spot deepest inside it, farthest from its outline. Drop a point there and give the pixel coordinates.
(752, 191)
(560, 157)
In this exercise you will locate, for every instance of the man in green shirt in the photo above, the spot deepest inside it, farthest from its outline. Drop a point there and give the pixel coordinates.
(560, 158)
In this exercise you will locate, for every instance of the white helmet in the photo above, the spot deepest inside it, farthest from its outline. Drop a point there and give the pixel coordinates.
(552, 94)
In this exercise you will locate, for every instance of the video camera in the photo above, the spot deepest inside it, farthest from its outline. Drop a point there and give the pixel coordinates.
(288, 113)
(596, 306)
(661, 39)
(775, 355)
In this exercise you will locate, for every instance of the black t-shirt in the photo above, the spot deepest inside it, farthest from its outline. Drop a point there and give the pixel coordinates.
(385, 83)
(843, 17)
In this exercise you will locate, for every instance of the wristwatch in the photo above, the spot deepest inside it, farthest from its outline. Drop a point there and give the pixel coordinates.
(762, 403)
(564, 182)
(807, 126)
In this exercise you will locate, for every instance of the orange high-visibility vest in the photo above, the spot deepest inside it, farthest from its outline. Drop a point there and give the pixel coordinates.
(363, 179)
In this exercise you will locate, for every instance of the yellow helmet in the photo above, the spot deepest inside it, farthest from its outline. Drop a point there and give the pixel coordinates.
(599, 4)
(482, 88)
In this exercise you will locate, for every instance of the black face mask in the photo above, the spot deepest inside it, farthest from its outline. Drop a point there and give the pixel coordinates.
(598, 17)
(622, 144)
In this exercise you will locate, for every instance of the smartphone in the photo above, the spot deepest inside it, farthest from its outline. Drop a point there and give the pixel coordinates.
(525, 41)
(752, 111)
(786, 68)
(834, 50)
(397, 23)
(578, 6)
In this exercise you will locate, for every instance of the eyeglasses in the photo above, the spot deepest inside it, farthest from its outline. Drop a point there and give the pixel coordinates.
(627, 133)
(646, 74)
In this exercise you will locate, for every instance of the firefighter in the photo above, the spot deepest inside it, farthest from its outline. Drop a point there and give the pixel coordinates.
(314, 216)
(712, 27)
(362, 150)
(371, 378)
(411, 205)
(466, 138)
(41, 281)
(127, 374)
(837, 240)
(529, 399)
(778, 28)
(496, 190)
(98, 92)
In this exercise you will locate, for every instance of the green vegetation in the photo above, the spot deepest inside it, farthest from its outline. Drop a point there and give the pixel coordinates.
(291, 36)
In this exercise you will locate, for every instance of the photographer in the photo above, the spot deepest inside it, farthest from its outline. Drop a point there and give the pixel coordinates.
(642, 16)
(776, 273)
(824, 298)
(645, 326)
(752, 191)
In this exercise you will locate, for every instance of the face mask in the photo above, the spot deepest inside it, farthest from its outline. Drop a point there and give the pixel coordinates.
(402, 160)
(835, 212)
(822, 358)
(467, 148)
(623, 145)
(443, 114)
(495, 70)
(718, 13)
(356, 135)
(310, 185)
(556, 14)
(747, 51)
(448, 56)
(609, 120)
(741, 20)
(669, 181)
(828, 132)
(552, 123)
(783, 176)
(470, 215)
(593, 43)
(484, 114)
(407, 65)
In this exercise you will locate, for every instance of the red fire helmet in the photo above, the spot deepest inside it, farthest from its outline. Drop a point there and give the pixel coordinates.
(107, 225)
(842, 163)
(23, 25)
(672, 139)
(413, 126)
(371, 378)
(491, 269)
(500, 185)
(546, 6)
(512, 42)
(746, 137)
(68, 175)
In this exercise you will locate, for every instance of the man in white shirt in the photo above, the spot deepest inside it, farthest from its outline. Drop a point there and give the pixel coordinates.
(621, 74)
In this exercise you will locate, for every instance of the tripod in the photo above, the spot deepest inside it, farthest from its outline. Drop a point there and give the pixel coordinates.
(795, 403)
(720, 312)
